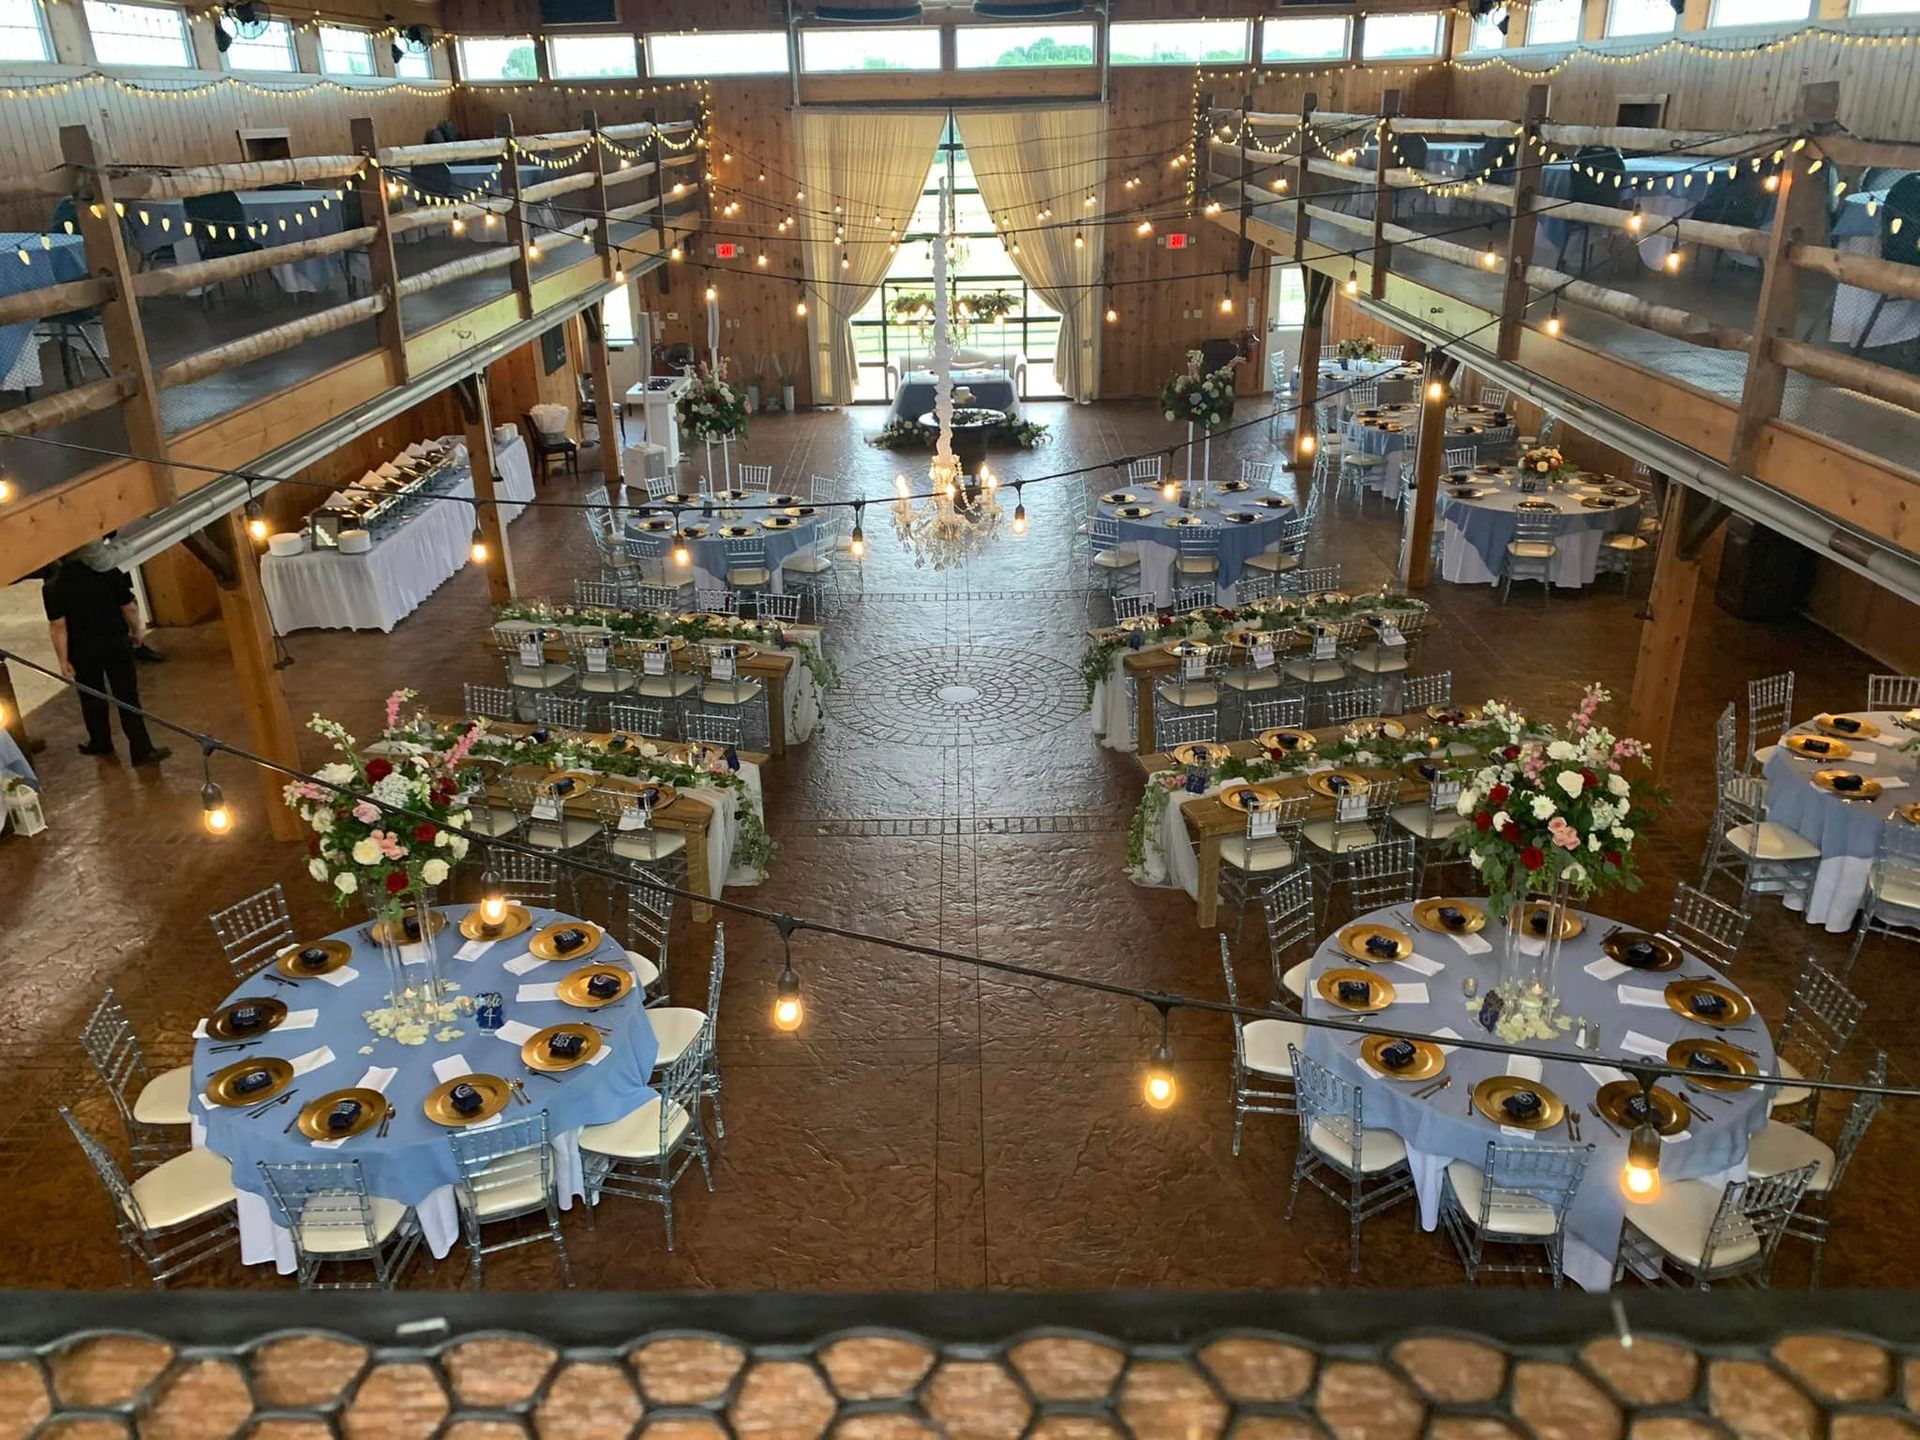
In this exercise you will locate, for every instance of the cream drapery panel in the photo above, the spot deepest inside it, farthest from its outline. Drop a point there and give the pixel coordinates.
(1030, 160)
(870, 165)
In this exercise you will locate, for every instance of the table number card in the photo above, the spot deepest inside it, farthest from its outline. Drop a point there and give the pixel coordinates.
(1490, 1010)
(596, 652)
(546, 808)
(533, 649)
(638, 816)
(653, 661)
(724, 663)
(1351, 807)
(1194, 666)
(1263, 824)
(1263, 653)
(1323, 645)
(1389, 634)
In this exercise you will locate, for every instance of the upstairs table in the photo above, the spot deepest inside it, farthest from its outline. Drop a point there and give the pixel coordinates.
(33, 262)
(273, 218)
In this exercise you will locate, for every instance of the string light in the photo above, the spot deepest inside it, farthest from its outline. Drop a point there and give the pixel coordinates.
(681, 556)
(1671, 264)
(1159, 1086)
(1019, 511)
(1226, 304)
(857, 538)
(6, 487)
(478, 549)
(789, 1010)
(713, 294)
(1553, 321)
(1490, 258)
(213, 805)
(1113, 317)
(1352, 287)
(1636, 222)
(256, 521)
(1436, 390)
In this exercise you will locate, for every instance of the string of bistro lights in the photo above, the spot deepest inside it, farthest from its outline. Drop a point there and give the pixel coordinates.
(1639, 1176)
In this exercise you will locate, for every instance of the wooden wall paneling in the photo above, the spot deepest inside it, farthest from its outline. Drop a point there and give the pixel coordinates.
(518, 381)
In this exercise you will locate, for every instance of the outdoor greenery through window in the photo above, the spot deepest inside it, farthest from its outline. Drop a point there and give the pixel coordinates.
(138, 34)
(345, 52)
(1179, 42)
(22, 36)
(271, 49)
(1323, 37)
(838, 51)
(729, 52)
(592, 57)
(1759, 12)
(504, 57)
(1553, 22)
(1640, 17)
(887, 331)
(1390, 37)
(414, 64)
(988, 47)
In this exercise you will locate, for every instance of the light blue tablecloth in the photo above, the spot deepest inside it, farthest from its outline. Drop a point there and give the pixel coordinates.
(1397, 446)
(1159, 543)
(1477, 532)
(13, 762)
(275, 217)
(1442, 1129)
(1395, 379)
(487, 178)
(992, 390)
(709, 552)
(50, 260)
(414, 1159)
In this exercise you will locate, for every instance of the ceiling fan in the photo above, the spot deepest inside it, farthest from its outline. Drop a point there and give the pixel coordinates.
(248, 20)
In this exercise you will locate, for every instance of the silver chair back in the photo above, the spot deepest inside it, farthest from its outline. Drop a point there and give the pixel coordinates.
(254, 931)
(1705, 927)
(1893, 692)
(707, 728)
(1417, 692)
(488, 702)
(633, 718)
(529, 880)
(1382, 874)
(1188, 727)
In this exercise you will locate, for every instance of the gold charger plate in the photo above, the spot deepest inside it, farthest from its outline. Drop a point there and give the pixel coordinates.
(1739, 1009)
(220, 1025)
(1537, 505)
(1489, 1094)
(514, 922)
(1234, 797)
(1428, 1059)
(220, 1084)
(1867, 731)
(801, 512)
(1380, 992)
(1201, 752)
(1868, 789)
(778, 522)
(1909, 812)
(543, 947)
(663, 793)
(339, 952)
(1426, 914)
(1453, 714)
(573, 990)
(1134, 512)
(1285, 738)
(1571, 924)
(1599, 502)
(534, 1052)
(1739, 1064)
(1619, 947)
(1320, 782)
(1671, 1113)
(693, 532)
(494, 1094)
(436, 922)
(1183, 522)
(1118, 497)
(1354, 939)
(1375, 725)
(1824, 748)
(374, 1107)
(655, 525)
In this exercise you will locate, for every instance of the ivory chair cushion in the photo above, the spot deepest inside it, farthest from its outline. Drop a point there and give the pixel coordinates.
(1780, 1148)
(1118, 558)
(163, 1099)
(1294, 982)
(1379, 1149)
(1419, 820)
(730, 692)
(346, 1239)
(1277, 561)
(1514, 1213)
(1196, 694)
(1319, 834)
(635, 1135)
(1256, 856)
(750, 577)
(1772, 841)
(184, 1188)
(545, 678)
(1532, 549)
(1197, 564)
(674, 1028)
(1252, 679)
(668, 687)
(646, 846)
(1680, 1220)
(570, 834)
(1785, 1097)
(807, 562)
(1314, 672)
(1264, 1046)
(515, 1198)
(644, 970)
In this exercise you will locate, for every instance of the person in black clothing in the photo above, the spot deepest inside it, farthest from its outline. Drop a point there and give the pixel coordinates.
(95, 626)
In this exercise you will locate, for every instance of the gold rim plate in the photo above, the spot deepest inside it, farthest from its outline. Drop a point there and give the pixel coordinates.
(374, 1107)
(1671, 1113)
(1118, 497)
(542, 945)
(573, 990)
(1234, 797)
(1910, 813)
(221, 1027)
(1321, 783)
(534, 1055)
(220, 1085)
(1571, 923)
(1490, 1095)
(515, 922)
(436, 922)
(1354, 939)
(1428, 1059)
(1667, 955)
(1827, 748)
(1380, 992)
(338, 952)
(494, 1094)
(1426, 914)
(1739, 1064)
(1201, 752)
(1869, 788)
(1867, 731)
(1680, 992)
(1284, 738)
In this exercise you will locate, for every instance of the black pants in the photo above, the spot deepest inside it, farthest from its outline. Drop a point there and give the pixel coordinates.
(111, 670)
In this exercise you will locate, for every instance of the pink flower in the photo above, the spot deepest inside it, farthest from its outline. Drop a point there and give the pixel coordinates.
(393, 707)
(1564, 835)
(367, 813)
(389, 844)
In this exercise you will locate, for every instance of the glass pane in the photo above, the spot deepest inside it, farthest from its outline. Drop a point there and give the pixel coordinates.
(1324, 38)
(507, 57)
(1487, 34)
(272, 49)
(345, 52)
(587, 57)
(1553, 22)
(1386, 37)
(1179, 42)
(829, 51)
(411, 66)
(21, 35)
(1290, 306)
(1759, 12)
(1640, 17)
(731, 52)
(985, 47)
(616, 314)
(1884, 7)
(137, 34)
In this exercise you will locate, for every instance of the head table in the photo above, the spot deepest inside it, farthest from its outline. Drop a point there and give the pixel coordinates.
(1846, 830)
(1635, 1022)
(1156, 533)
(332, 1048)
(1479, 511)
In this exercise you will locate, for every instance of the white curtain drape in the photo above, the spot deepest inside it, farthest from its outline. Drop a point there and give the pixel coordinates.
(1030, 160)
(871, 166)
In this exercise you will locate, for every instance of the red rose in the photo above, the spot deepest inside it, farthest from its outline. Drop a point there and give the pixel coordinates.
(1589, 778)
(1612, 857)
(425, 831)
(1483, 820)
(1274, 752)
(313, 844)
(379, 768)
(1512, 752)
(1532, 857)
(1498, 795)
(396, 881)
(1510, 833)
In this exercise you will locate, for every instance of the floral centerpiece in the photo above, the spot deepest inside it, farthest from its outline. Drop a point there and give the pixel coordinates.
(712, 409)
(1194, 397)
(1358, 347)
(1546, 460)
(910, 434)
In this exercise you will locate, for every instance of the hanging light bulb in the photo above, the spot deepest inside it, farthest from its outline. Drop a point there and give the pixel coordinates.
(1308, 444)
(900, 485)
(256, 521)
(681, 556)
(6, 487)
(1145, 227)
(788, 1008)
(712, 293)
(1770, 184)
(761, 259)
(1226, 304)
(1490, 258)
(1079, 241)
(213, 805)
(533, 250)
(675, 253)
(1159, 1086)
(1553, 322)
(1672, 263)
(1113, 315)
(1636, 221)
(857, 539)
(1019, 511)
(1170, 489)
(1352, 286)
(1436, 390)
(493, 903)
(619, 275)
(459, 225)
(1640, 1175)
(478, 549)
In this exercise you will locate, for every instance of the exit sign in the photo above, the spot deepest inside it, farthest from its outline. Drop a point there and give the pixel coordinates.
(1176, 240)
(726, 250)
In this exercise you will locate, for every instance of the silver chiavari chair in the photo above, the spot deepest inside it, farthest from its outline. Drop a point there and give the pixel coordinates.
(525, 879)
(1194, 685)
(1684, 1239)
(603, 594)
(562, 712)
(725, 690)
(1758, 855)
(1144, 471)
(1197, 557)
(596, 661)
(704, 729)
(1462, 458)
(655, 597)
(506, 1173)
(1262, 1058)
(1432, 823)
(1189, 727)
(1822, 1015)
(717, 602)
(546, 825)
(253, 932)
(653, 567)
(1268, 844)
(630, 717)
(1254, 587)
(1257, 675)
(1494, 395)
(1781, 1148)
(1392, 352)
(1380, 875)
(1892, 903)
(1769, 716)
(1318, 668)
(488, 702)
(754, 479)
(816, 487)
(523, 653)
(1304, 581)
(643, 1154)
(1285, 556)
(1389, 652)
(491, 817)
(661, 682)
(153, 1108)
(1288, 907)
(811, 572)
(649, 929)
(1364, 1170)
(747, 569)
(1198, 597)
(777, 609)
(1354, 701)
(659, 486)
(628, 834)
(679, 1028)
(1418, 692)
(1519, 1195)
(172, 1217)
(335, 1219)
(1530, 554)
(1702, 926)
(1893, 692)
(1257, 473)
(1283, 712)
(1132, 607)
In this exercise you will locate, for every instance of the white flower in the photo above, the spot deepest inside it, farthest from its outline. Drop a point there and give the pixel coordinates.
(442, 838)
(317, 868)
(1476, 859)
(346, 883)
(1593, 843)
(1468, 800)
(1561, 750)
(1543, 806)
(458, 846)
(366, 852)
(1573, 874)
(435, 871)
(1569, 781)
(1617, 785)
(334, 774)
(1623, 834)
(322, 822)
(1501, 819)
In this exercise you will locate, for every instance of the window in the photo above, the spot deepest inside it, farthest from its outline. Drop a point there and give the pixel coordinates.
(507, 57)
(22, 36)
(414, 64)
(1553, 22)
(732, 52)
(1389, 37)
(345, 52)
(1289, 292)
(271, 49)
(830, 51)
(992, 47)
(616, 316)
(592, 57)
(1304, 39)
(1759, 12)
(138, 34)
(1489, 32)
(1884, 7)
(1640, 17)
(1179, 42)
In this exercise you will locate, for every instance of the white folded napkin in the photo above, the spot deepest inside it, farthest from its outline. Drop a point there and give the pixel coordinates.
(299, 1020)
(451, 1067)
(1420, 964)
(1634, 1043)
(1472, 944)
(602, 1053)
(413, 954)
(1864, 757)
(1410, 992)
(549, 991)
(516, 1032)
(378, 1077)
(1532, 944)
(1893, 782)
(474, 949)
(1604, 1074)
(200, 1030)
(345, 975)
(489, 1123)
(306, 1064)
(1640, 995)
(1447, 1032)
(1606, 968)
(521, 964)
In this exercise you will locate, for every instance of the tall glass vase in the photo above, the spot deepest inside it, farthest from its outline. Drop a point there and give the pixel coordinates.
(1529, 983)
(414, 984)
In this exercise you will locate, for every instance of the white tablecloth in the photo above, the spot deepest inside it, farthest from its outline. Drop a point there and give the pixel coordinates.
(325, 590)
(1475, 533)
(1847, 832)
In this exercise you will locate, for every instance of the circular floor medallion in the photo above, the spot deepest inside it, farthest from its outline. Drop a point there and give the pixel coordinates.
(942, 695)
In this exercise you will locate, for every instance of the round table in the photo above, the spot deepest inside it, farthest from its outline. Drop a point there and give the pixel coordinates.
(1394, 380)
(1475, 531)
(332, 1048)
(1847, 831)
(1392, 431)
(1634, 1021)
(1158, 542)
(707, 542)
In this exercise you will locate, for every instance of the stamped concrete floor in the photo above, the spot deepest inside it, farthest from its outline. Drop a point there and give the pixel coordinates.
(930, 1127)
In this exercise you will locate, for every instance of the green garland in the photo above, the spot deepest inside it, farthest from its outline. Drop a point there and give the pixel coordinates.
(695, 629)
(1146, 819)
(912, 435)
(1096, 661)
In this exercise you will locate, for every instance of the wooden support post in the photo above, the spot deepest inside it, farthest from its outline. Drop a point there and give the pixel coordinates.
(243, 609)
(1244, 261)
(478, 422)
(1306, 425)
(12, 719)
(107, 259)
(1302, 177)
(1520, 229)
(1689, 536)
(606, 403)
(656, 156)
(1383, 193)
(374, 210)
(1799, 217)
(521, 270)
(1436, 390)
